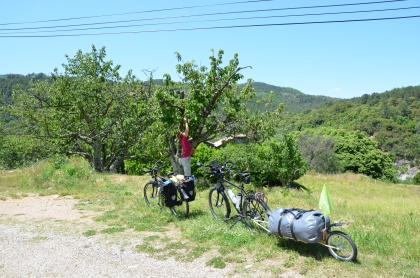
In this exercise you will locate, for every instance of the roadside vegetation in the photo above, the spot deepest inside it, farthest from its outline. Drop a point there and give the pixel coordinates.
(383, 220)
(72, 132)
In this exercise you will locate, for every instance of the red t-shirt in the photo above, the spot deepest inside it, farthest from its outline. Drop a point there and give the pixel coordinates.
(186, 147)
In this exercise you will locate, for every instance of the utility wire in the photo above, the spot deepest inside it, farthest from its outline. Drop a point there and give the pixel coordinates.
(218, 20)
(218, 27)
(207, 14)
(140, 12)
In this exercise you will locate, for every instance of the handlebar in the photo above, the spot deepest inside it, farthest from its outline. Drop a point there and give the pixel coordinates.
(154, 169)
(219, 170)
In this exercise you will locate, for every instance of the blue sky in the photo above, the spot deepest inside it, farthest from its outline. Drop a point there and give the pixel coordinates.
(344, 60)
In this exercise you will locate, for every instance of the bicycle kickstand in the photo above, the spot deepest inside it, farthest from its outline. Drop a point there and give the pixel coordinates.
(239, 218)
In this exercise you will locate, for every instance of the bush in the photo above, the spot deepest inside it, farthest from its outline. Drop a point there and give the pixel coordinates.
(60, 172)
(271, 163)
(416, 179)
(202, 155)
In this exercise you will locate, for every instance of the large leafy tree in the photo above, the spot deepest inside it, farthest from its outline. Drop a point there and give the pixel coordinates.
(212, 101)
(88, 110)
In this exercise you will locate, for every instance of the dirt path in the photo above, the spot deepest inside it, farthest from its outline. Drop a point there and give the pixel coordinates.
(42, 236)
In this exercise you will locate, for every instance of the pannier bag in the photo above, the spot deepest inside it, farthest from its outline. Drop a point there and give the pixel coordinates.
(299, 224)
(168, 192)
(189, 189)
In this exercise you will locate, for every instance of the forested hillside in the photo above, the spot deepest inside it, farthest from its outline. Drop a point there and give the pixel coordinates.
(392, 119)
(8, 81)
(293, 100)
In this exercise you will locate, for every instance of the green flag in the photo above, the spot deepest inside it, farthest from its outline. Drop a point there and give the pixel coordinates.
(325, 203)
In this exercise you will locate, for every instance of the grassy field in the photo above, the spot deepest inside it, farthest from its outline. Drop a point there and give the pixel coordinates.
(383, 219)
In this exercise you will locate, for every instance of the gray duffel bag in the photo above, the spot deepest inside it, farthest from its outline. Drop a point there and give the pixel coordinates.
(302, 225)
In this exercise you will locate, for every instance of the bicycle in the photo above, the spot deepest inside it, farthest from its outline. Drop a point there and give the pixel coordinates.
(220, 204)
(155, 190)
(256, 213)
(339, 244)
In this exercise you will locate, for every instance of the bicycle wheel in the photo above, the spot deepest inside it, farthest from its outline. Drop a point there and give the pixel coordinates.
(255, 215)
(341, 246)
(219, 204)
(182, 208)
(151, 194)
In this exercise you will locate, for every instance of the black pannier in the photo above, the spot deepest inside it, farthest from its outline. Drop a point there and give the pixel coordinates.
(189, 189)
(168, 192)
(303, 225)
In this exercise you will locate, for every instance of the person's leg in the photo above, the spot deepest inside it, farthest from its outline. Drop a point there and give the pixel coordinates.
(186, 163)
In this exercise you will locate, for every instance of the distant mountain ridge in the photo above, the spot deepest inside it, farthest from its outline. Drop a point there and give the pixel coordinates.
(294, 100)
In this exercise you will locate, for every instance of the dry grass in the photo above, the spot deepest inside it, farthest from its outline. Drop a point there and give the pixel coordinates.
(383, 220)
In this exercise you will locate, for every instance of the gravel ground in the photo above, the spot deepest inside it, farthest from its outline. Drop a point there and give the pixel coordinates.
(42, 237)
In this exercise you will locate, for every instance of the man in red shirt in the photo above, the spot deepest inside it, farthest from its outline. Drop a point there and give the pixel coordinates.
(186, 150)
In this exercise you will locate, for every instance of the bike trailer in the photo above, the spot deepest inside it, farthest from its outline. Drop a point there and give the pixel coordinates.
(168, 190)
(303, 225)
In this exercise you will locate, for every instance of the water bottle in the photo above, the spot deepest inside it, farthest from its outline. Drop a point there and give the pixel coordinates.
(238, 200)
(231, 195)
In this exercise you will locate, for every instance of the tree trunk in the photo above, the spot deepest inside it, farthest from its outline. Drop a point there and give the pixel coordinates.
(97, 155)
(116, 163)
(176, 167)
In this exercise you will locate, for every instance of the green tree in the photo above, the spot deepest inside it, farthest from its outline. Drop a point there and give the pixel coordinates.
(416, 179)
(88, 110)
(318, 150)
(212, 101)
(285, 162)
(273, 162)
(360, 154)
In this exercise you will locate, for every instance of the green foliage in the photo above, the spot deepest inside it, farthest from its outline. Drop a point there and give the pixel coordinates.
(63, 113)
(336, 150)
(20, 150)
(9, 81)
(271, 163)
(359, 154)
(285, 163)
(60, 174)
(209, 97)
(133, 167)
(294, 101)
(390, 119)
(416, 179)
(318, 150)
(89, 110)
(202, 156)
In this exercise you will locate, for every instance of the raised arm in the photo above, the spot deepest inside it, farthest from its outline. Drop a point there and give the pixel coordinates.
(186, 127)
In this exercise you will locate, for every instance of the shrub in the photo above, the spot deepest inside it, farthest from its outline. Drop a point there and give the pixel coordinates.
(416, 179)
(271, 163)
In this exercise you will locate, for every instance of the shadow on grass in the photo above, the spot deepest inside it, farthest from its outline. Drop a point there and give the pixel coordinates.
(196, 213)
(316, 251)
(298, 186)
(313, 250)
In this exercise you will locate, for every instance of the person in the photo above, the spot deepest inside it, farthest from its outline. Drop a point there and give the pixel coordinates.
(186, 149)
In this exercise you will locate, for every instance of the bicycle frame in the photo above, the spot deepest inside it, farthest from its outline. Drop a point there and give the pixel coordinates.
(222, 187)
(156, 185)
(220, 202)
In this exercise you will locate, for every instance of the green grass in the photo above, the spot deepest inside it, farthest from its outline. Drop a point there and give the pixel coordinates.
(382, 218)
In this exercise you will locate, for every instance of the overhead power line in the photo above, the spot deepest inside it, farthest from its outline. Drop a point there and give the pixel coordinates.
(141, 12)
(218, 20)
(217, 27)
(205, 14)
